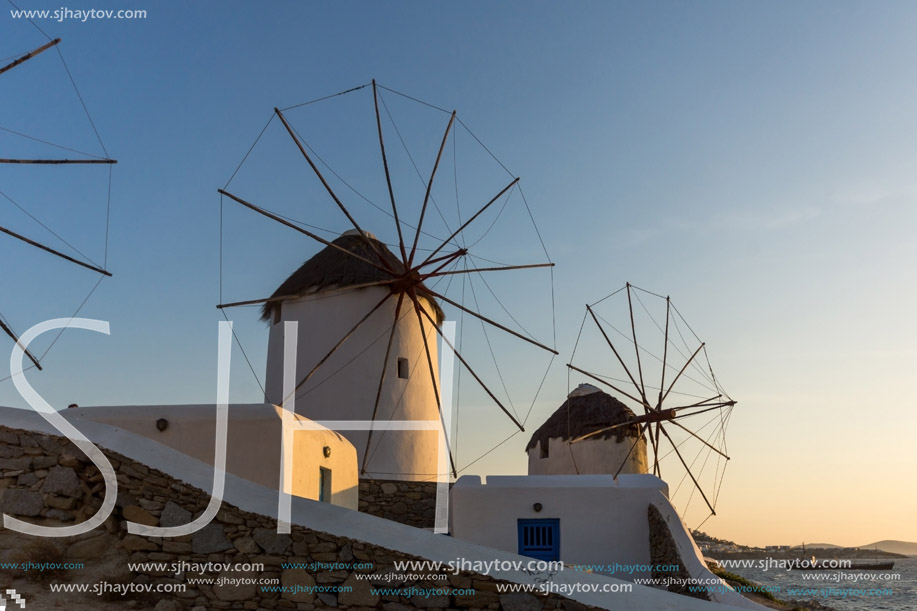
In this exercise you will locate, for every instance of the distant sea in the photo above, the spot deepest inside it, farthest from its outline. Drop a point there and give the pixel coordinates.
(846, 595)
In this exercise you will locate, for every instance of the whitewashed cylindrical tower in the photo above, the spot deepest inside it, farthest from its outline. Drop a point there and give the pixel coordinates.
(327, 296)
(587, 409)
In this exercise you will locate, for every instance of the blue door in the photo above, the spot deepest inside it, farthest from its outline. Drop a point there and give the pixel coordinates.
(540, 539)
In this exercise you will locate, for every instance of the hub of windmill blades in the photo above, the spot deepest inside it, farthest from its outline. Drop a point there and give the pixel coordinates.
(419, 255)
(669, 379)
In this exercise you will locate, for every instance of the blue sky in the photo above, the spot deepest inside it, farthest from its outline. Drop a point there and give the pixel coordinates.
(753, 160)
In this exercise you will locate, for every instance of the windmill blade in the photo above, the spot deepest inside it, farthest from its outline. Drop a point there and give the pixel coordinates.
(490, 322)
(608, 428)
(656, 445)
(426, 348)
(287, 223)
(699, 438)
(345, 289)
(473, 270)
(665, 349)
(705, 404)
(56, 253)
(341, 342)
(687, 468)
(30, 55)
(709, 409)
(473, 374)
(701, 347)
(426, 197)
(633, 328)
(631, 450)
(611, 345)
(302, 149)
(388, 352)
(446, 261)
(59, 161)
(606, 383)
(388, 177)
(15, 338)
(468, 222)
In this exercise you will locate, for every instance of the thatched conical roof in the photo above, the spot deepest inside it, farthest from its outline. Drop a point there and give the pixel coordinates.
(586, 409)
(331, 268)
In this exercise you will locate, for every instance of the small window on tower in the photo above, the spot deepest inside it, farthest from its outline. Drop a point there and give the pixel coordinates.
(403, 368)
(544, 448)
(276, 313)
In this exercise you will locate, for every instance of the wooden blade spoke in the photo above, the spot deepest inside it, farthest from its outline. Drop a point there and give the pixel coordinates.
(388, 178)
(283, 221)
(352, 287)
(643, 402)
(633, 330)
(469, 221)
(447, 260)
(665, 350)
(631, 450)
(701, 347)
(688, 469)
(426, 347)
(605, 430)
(709, 409)
(699, 438)
(700, 403)
(472, 372)
(29, 55)
(434, 274)
(388, 351)
(656, 446)
(489, 321)
(15, 338)
(302, 149)
(606, 383)
(56, 253)
(426, 197)
(341, 342)
(449, 257)
(59, 161)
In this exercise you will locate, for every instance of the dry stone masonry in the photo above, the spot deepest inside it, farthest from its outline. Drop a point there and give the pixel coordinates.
(411, 503)
(46, 480)
(664, 552)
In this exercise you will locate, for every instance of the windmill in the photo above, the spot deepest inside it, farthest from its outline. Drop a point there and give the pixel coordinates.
(77, 258)
(423, 248)
(649, 356)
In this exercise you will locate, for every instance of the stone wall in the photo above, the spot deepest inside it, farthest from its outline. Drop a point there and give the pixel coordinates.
(411, 503)
(663, 551)
(46, 480)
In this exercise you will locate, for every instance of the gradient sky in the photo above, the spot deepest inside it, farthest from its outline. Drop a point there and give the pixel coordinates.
(752, 160)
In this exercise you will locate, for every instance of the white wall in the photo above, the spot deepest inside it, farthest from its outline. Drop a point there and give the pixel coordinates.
(591, 456)
(345, 386)
(602, 520)
(253, 442)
